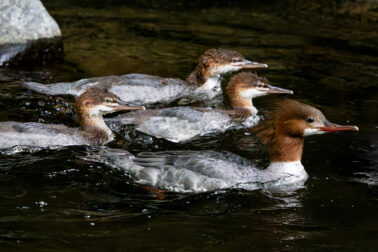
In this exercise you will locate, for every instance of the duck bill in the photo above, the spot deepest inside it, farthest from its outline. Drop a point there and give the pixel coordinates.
(331, 127)
(128, 106)
(246, 64)
(277, 90)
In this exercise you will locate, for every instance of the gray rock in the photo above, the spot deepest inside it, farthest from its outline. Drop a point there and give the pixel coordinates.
(27, 32)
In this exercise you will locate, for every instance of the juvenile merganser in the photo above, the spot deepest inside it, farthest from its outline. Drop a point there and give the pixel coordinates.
(282, 132)
(180, 124)
(90, 107)
(203, 83)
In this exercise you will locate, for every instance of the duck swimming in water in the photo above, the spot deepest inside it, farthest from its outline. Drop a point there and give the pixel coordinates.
(204, 83)
(283, 133)
(90, 107)
(179, 124)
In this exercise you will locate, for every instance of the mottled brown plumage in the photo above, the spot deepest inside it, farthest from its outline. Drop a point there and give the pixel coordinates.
(211, 59)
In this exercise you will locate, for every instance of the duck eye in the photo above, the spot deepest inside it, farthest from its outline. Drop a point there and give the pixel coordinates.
(260, 84)
(107, 99)
(234, 60)
(310, 120)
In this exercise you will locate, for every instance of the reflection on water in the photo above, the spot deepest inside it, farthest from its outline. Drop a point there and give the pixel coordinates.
(326, 52)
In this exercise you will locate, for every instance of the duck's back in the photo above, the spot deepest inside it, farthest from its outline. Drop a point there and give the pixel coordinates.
(38, 135)
(141, 89)
(176, 124)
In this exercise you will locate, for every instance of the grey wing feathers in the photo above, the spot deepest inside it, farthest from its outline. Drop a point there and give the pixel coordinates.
(39, 87)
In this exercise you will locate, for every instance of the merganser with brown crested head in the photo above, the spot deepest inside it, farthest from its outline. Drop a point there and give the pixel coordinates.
(202, 84)
(90, 107)
(180, 124)
(283, 133)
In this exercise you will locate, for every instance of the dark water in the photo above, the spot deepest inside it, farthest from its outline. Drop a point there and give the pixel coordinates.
(52, 200)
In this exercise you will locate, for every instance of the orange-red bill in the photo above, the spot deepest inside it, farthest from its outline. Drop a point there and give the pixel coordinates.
(331, 127)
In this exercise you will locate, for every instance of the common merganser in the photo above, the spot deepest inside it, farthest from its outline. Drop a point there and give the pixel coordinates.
(202, 84)
(90, 107)
(179, 124)
(282, 132)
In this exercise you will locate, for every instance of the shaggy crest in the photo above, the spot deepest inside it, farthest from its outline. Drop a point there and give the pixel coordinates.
(209, 58)
(284, 111)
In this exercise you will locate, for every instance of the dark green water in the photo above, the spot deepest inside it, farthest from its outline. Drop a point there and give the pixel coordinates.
(52, 200)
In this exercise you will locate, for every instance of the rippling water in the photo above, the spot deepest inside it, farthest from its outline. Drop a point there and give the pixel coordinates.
(54, 199)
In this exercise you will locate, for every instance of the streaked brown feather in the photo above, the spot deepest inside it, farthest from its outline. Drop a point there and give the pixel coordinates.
(211, 58)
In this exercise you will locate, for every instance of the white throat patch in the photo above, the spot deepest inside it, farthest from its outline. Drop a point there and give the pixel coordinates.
(252, 93)
(222, 69)
(99, 110)
(312, 131)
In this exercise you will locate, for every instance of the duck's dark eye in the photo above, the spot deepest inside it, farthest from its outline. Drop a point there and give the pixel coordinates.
(310, 120)
(107, 99)
(260, 84)
(234, 60)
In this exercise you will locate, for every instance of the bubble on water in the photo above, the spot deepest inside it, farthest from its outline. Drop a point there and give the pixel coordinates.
(23, 207)
(41, 203)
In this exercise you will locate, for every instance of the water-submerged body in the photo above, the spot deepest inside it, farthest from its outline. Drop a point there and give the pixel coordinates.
(204, 83)
(197, 171)
(179, 124)
(90, 107)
